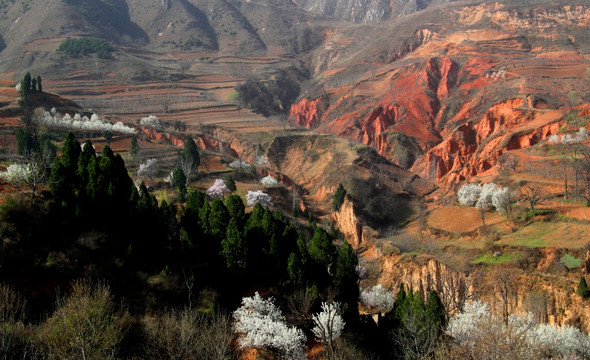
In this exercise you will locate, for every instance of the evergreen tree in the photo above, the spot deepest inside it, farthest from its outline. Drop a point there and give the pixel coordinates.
(25, 87)
(179, 181)
(338, 198)
(63, 180)
(345, 276)
(39, 84)
(320, 247)
(204, 218)
(134, 148)
(230, 183)
(218, 219)
(435, 312)
(108, 136)
(34, 85)
(235, 207)
(583, 288)
(191, 152)
(233, 247)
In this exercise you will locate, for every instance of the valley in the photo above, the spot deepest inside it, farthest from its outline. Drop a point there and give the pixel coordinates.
(400, 102)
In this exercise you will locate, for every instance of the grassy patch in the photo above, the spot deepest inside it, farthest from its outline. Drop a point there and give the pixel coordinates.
(570, 261)
(491, 259)
(549, 234)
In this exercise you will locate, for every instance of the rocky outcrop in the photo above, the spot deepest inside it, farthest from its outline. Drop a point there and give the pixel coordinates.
(349, 224)
(424, 273)
(306, 113)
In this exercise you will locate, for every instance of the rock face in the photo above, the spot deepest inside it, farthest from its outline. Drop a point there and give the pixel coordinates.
(366, 11)
(422, 274)
(445, 100)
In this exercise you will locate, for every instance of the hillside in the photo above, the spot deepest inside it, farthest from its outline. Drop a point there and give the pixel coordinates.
(399, 103)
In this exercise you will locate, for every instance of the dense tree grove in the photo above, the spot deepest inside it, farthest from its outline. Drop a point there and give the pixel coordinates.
(176, 271)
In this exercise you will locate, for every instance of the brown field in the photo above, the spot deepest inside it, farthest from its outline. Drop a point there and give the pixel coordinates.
(460, 219)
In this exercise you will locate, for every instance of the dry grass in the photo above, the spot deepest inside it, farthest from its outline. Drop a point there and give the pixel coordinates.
(460, 219)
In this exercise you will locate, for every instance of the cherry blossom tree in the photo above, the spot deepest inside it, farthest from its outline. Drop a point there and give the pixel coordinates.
(378, 298)
(218, 189)
(260, 324)
(254, 197)
(468, 194)
(269, 181)
(149, 169)
(151, 121)
(328, 324)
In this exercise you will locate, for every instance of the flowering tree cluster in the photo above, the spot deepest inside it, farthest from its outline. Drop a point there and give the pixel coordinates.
(151, 121)
(476, 331)
(378, 298)
(238, 164)
(149, 169)
(269, 181)
(568, 139)
(261, 161)
(328, 324)
(79, 122)
(258, 197)
(260, 324)
(218, 189)
(486, 196)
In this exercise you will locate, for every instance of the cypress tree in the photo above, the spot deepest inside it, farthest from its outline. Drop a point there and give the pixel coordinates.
(338, 198)
(583, 288)
(218, 219)
(230, 183)
(345, 276)
(233, 247)
(134, 147)
(320, 247)
(235, 207)
(39, 84)
(179, 181)
(25, 87)
(191, 152)
(34, 85)
(435, 312)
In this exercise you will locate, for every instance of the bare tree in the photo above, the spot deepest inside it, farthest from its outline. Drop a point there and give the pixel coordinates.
(34, 124)
(532, 194)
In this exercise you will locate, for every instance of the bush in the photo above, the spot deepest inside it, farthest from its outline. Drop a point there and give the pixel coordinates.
(188, 334)
(83, 46)
(87, 324)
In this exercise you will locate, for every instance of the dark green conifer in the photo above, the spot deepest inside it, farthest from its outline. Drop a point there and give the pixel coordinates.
(338, 198)
(230, 183)
(233, 247)
(583, 288)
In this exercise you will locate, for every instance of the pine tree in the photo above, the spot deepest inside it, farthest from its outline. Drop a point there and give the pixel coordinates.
(435, 312)
(191, 152)
(345, 276)
(320, 247)
(235, 207)
(34, 85)
(179, 181)
(233, 247)
(39, 85)
(134, 148)
(583, 288)
(25, 87)
(230, 183)
(218, 219)
(338, 198)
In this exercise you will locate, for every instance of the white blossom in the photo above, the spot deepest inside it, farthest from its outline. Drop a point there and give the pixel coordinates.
(328, 323)
(83, 123)
(18, 87)
(261, 161)
(261, 325)
(501, 200)
(150, 169)
(567, 139)
(468, 194)
(238, 164)
(470, 327)
(377, 297)
(151, 121)
(18, 174)
(269, 181)
(218, 189)
(254, 197)
(484, 200)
